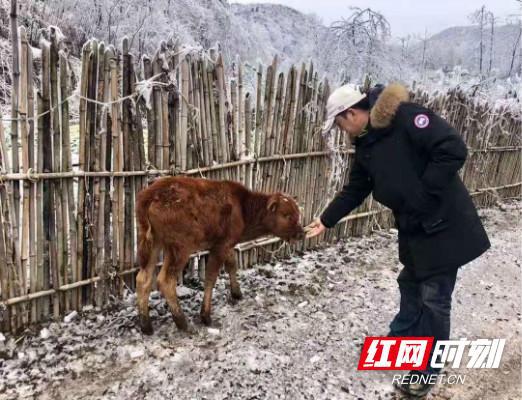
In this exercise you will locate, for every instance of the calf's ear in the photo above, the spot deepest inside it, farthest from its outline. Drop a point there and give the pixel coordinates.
(272, 203)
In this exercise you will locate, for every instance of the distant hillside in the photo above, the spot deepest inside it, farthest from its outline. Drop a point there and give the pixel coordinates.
(254, 32)
(460, 46)
(270, 29)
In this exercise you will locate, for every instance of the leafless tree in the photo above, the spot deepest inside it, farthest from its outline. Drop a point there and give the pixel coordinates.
(405, 43)
(491, 18)
(480, 17)
(362, 35)
(516, 46)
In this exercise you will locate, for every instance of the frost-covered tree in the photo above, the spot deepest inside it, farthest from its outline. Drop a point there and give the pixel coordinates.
(515, 48)
(491, 20)
(144, 22)
(480, 17)
(358, 42)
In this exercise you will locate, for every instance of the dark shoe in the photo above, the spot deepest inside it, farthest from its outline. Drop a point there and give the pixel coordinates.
(420, 387)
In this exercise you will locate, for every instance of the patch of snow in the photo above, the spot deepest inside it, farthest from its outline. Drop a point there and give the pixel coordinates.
(213, 331)
(45, 334)
(70, 317)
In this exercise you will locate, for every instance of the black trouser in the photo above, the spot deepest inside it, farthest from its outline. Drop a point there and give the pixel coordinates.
(425, 306)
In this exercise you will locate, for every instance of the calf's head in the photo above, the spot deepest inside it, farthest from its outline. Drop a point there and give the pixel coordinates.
(282, 217)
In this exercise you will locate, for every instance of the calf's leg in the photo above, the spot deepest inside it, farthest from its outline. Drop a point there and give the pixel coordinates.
(215, 260)
(231, 268)
(167, 282)
(143, 287)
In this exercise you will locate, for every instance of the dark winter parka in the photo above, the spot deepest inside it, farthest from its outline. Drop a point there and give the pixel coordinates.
(409, 160)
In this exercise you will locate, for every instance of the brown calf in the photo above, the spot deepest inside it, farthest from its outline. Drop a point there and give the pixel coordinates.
(182, 215)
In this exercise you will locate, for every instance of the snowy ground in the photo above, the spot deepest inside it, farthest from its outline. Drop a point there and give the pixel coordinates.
(296, 334)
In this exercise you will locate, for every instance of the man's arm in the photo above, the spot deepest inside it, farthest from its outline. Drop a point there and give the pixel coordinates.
(447, 153)
(351, 195)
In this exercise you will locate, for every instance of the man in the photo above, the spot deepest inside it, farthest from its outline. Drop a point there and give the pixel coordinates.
(408, 158)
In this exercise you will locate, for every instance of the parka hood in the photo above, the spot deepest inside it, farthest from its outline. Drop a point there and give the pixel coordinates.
(386, 105)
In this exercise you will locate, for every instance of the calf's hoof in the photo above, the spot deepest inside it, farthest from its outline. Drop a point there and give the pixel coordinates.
(231, 300)
(146, 326)
(191, 330)
(236, 294)
(205, 318)
(181, 322)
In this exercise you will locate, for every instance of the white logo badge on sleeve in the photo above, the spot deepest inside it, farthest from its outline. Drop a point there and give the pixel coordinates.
(421, 121)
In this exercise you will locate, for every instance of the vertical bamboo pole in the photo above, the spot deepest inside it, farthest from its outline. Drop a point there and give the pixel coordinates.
(139, 137)
(221, 109)
(232, 121)
(50, 251)
(4, 259)
(196, 116)
(213, 121)
(275, 123)
(306, 143)
(82, 160)
(33, 212)
(127, 154)
(151, 129)
(138, 152)
(258, 134)
(191, 129)
(267, 123)
(299, 134)
(241, 122)
(8, 274)
(289, 126)
(184, 113)
(15, 163)
(174, 114)
(118, 215)
(42, 304)
(164, 109)
(203, 115)
(97, 139)
(90, 152)
(99, 292)
(14, 117)
(68, 190)
(269, 90)
(58, 240)
(259, 111)
(107, 165)
(248, 139)
(24, 133)
(173, 124)
(192, 141)
(276, 178)
(158, 110)
(240, 111)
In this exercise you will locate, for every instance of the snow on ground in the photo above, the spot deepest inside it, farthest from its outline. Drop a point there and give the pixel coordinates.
(297, 333)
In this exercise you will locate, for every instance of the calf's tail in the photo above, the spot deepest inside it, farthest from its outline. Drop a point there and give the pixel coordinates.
(145, 237)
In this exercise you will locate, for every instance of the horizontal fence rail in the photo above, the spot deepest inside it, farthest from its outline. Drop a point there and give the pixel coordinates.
(67, 192)
(33, 176)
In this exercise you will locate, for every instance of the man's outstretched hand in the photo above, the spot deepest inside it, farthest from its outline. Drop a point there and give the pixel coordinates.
(314, 229)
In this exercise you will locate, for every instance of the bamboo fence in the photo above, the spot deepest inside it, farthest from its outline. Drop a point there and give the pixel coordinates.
(67, 227)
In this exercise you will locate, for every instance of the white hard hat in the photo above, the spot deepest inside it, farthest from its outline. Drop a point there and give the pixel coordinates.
(341, 99)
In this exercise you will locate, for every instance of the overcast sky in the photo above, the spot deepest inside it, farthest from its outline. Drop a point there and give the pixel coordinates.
(405, 16)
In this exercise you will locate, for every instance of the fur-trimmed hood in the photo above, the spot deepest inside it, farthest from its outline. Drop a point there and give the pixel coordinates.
(385, 108)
